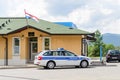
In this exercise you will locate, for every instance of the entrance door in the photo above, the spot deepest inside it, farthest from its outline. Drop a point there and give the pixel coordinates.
(34, 50)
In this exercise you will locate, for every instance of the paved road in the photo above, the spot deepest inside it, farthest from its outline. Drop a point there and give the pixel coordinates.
(109, 72)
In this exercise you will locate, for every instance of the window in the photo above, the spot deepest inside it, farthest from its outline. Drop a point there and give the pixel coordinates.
(61, 53)
(51, 53)
(67, 53)
(16, 46)
(48, 54)
(46, 43)
(55, 53)
(31, 34)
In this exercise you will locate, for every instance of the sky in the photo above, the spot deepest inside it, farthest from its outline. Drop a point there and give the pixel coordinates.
(88, 15)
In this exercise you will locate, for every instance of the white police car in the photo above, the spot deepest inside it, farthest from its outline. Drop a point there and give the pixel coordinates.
(53, 58)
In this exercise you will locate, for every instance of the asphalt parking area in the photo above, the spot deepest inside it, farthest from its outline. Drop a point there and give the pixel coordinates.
(108, 72)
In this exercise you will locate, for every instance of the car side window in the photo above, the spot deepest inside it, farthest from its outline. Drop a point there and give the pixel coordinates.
(48, 53)
(58, 53)
(67, 53)
(61, 53)
(55, 53)
(111, 52)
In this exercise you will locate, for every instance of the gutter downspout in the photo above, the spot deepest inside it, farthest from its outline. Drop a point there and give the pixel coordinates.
(6, 54)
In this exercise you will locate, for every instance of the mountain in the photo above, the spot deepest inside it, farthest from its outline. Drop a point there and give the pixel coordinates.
(110, 38)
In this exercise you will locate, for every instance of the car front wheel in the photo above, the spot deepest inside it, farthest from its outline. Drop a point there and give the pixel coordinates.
(84, 64)
(50, 65)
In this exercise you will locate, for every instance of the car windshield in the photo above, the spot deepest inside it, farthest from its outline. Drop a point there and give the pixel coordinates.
(114, 52)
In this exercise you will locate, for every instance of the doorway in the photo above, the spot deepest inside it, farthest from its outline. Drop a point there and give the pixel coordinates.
(33, 48)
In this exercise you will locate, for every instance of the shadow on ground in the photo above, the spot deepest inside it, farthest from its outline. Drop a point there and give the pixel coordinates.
(18, 77)
(91, 66)
(60, 68)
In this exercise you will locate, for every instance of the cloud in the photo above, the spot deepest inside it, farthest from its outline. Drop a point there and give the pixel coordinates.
(112, 27)
(89, 15)
(16, 7)
(58, 7)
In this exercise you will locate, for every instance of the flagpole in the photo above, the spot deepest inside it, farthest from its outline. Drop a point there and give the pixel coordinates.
(25, 17)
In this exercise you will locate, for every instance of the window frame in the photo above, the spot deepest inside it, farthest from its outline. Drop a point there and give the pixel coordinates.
(44, 42)
(13, 43)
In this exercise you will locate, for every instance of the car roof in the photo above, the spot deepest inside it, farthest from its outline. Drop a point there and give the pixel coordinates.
(55, 50)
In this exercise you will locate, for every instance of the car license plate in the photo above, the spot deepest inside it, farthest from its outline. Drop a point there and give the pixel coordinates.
(114, 57)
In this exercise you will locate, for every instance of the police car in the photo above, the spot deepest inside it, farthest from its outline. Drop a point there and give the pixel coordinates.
(54, 58)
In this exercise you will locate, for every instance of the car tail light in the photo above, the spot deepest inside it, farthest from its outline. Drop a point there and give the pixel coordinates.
(39, 57)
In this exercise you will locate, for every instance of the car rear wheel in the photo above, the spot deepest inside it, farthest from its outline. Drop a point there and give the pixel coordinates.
(84, 64)
(50, 65)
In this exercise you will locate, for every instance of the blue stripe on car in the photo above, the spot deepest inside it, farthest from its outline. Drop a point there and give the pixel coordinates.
(62, 58)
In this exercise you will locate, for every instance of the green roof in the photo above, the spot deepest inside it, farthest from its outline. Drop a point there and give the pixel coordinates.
(11, 24)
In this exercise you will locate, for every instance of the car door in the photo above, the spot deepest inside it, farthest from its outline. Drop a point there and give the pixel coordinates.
(59, 58)
(71, 58)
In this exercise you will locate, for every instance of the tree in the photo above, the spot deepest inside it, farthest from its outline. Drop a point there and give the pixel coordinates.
(108, 47)
(117, 47)
(94, 48)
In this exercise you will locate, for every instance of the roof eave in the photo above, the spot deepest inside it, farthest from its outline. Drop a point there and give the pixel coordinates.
(26, 27)
(67, 34)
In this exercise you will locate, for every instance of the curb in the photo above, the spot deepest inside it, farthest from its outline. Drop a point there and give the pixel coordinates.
(98, 63)
(17, 67)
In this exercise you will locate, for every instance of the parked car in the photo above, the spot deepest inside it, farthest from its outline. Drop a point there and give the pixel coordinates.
(53, 58)
(113, 55)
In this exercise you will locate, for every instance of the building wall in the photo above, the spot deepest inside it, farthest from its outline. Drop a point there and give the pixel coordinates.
(69, 42)
(24, 52)
(72, 43)
(2, 47)
(2, 50)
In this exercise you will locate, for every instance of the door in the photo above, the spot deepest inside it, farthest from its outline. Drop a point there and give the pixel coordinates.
(71, 58)
(34, 49)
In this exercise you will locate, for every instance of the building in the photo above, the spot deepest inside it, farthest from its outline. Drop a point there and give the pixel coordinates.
(21, 41)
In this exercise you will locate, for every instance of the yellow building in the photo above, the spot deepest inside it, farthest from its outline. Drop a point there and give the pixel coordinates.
(21, 41)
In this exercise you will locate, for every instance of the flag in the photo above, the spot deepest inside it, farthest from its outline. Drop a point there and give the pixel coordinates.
(28, 16)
